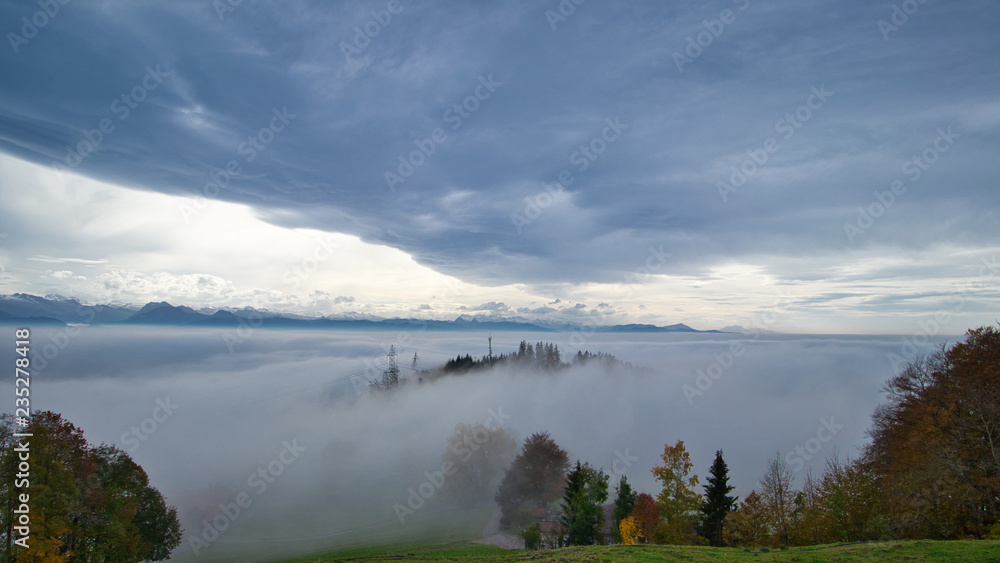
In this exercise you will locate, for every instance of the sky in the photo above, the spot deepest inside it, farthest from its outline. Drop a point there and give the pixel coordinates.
(700, 162)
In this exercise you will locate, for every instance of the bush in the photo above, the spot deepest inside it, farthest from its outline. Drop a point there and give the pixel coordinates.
(532, 536)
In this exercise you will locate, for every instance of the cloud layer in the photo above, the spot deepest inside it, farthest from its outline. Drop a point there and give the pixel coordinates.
(201, 419)
(510, 143)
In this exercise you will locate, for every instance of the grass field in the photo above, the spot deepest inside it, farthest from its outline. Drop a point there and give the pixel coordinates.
(909, 551)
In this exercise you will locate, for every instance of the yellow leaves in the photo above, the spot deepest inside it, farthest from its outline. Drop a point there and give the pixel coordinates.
(629, 531)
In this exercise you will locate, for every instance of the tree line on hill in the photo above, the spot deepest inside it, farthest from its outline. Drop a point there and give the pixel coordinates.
(541, 355)
(932, 470)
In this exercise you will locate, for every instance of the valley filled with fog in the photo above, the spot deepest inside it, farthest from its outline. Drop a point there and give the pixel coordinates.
(285, 418)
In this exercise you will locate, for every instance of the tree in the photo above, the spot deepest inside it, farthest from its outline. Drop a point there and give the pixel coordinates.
(534, 479)
(479, 453)
(812, 523)
(624, 502)
(779, 499)
(647, 516)
(583, 504)
(532, 536)
(678, 502)
(748, 525)
(87, 503)
(717, 503)
(936, 441)
(853, 502)
(628, 531)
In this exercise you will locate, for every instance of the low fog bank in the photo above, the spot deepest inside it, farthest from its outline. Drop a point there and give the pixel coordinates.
(281, 421)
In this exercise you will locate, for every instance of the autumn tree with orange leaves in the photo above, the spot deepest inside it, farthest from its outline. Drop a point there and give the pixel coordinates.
(936, 441)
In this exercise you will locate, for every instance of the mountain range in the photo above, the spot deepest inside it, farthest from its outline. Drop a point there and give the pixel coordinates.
(23, 308)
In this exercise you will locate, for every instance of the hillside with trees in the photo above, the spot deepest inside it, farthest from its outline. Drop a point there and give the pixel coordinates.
(542, 356)
(931, 471)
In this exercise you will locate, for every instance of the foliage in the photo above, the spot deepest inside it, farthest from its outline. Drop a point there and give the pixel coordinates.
(480, 453)
(717, 503)
(624, 502)
(855, 506)
(678, 502)
(87, 503)
(628, 531)
(544, 356)
(935, 447)
(778, 498)
(532, 536)
(647, 516)
(535, 477)
(748, 525)
(582, 504)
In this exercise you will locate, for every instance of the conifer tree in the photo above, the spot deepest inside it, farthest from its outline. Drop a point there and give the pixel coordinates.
(624, 502)
(717, 501)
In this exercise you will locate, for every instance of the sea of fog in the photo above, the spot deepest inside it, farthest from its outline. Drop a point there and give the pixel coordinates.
(282, 419)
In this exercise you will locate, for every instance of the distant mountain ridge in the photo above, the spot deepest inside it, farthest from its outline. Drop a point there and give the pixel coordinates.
(31, 309)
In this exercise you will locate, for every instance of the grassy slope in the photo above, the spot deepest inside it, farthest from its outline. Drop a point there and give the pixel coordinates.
(910, 551)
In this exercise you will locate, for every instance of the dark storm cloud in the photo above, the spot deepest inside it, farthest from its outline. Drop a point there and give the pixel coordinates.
(505, 100)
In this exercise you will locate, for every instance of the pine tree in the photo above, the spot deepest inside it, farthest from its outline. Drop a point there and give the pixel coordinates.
(717, 501)
(582, 504)
(624, 502)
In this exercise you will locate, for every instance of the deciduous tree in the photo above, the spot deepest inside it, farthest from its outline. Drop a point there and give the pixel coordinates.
(87, 503)
(534, 479)
(678, 501)
(479, 454)
(779, 499)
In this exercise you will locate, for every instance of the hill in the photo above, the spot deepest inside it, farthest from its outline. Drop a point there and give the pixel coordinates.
(910, 551)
